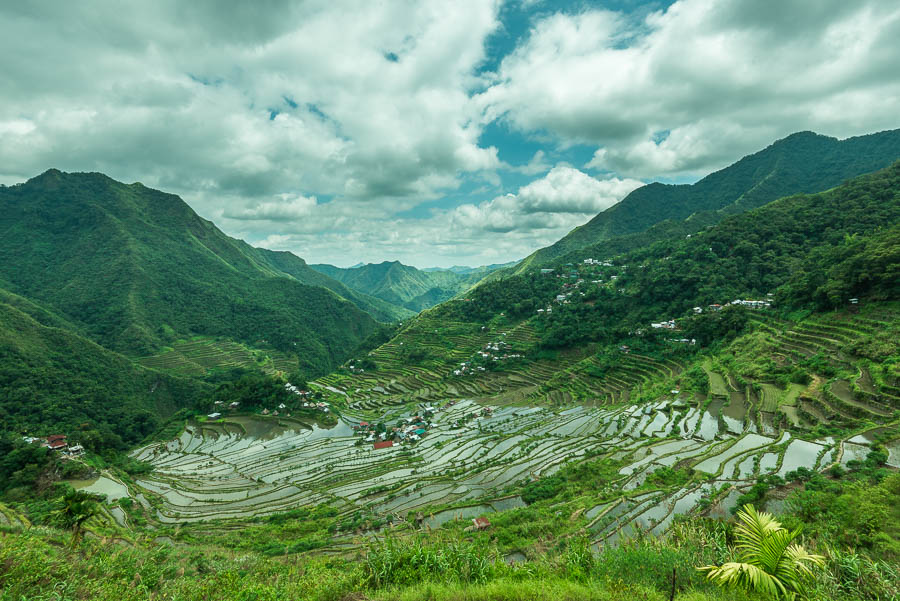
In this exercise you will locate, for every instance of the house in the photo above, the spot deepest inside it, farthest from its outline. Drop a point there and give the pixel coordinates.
(480, 523)
(715, 307)
(234, 405)
(214, 415)
(56, 442)
(76, 450)
(698, 310)
(384, 444)
(282, 406)
(265, 412)
(546, 271)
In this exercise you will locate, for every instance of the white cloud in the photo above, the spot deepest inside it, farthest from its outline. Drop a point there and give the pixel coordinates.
(287, 209)
(255, 112)
(560, 200)
(696, 86)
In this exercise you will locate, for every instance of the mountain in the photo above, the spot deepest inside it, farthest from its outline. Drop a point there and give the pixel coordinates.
(403, 285)
(803, 162)
(465, 269)
(134, 269)
(808, 250)
(296, 267)
(51, 377)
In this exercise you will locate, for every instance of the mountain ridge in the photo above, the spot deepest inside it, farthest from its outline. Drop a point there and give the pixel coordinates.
(803, 162)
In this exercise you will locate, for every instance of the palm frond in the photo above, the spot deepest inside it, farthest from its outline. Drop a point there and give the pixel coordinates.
(746, 576)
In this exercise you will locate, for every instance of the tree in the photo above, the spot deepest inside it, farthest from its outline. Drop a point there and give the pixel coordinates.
(75, 508)
(769, 562)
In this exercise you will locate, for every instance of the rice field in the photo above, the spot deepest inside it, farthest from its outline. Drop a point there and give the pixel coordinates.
(201, 355)
(547, 410)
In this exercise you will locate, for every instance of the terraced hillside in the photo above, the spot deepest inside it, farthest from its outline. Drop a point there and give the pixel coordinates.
(200, 355)
(682, 433)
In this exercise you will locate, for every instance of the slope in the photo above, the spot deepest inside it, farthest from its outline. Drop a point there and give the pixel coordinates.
(291, 264)
(52, 378)
(135, 268)
(804, 162)
(404, 285)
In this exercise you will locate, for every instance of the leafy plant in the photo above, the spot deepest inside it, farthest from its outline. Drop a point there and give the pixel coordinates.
(770, 562)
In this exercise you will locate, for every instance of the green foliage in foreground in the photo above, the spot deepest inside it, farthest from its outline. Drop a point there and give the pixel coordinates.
(39, 564)
(770, 561)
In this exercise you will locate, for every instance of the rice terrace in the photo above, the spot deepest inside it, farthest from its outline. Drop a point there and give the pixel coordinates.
(430, 301)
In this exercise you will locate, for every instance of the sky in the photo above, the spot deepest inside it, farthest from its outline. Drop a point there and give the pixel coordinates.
(431, 132)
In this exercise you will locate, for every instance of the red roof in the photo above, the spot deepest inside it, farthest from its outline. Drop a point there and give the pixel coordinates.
(54, 437)
(57, 445)
(383, 444)
(363, 423)
(481, 523)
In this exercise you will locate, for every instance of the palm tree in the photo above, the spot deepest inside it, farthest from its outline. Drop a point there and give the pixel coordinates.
(770, 562)
(76, 507)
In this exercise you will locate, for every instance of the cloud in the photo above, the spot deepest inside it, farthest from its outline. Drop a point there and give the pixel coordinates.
(288, 209)
(561, 199)
(696, 86)
(317, 126)
(257, 102)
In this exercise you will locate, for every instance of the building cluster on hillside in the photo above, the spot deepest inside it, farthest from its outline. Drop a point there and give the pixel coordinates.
(58, 443)
(407, 430)
(580, 273)
(493, 352)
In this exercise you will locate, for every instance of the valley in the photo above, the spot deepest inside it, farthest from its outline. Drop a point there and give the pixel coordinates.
(593, 408)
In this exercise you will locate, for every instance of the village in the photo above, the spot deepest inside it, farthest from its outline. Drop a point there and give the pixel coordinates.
(58, 443)
(304, 396)
(492, 353)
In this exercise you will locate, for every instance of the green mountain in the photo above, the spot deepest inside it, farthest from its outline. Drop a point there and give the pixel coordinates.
(777, 246)
(134, 269)
(804, 162)
(296, 267)
(53, 380)
(405, 286)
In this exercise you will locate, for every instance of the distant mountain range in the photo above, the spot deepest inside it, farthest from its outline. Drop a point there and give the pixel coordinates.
(803, 162)
(406, 286)
(133, 269)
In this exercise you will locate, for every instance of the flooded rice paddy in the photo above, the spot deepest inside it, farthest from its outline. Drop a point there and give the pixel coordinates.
(249, 466)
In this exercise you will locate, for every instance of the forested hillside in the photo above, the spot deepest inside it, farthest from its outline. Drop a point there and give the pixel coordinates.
(804, 162)
(54, 381)
(773, 249)
(406, 286)
(135, 269)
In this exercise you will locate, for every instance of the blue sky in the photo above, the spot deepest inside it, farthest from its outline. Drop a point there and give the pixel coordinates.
(431, 132)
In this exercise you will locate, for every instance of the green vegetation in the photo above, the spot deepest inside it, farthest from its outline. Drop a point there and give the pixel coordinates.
(801, 163)
(405, 286)
(770, 562)
(135, 269)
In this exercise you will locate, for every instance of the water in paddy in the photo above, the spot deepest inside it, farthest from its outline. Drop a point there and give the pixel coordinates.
(893, 449)
(268, 428)
(119, 515)
(854, 452)
(800, 453)
(734, 413)
(709, 423)
(440, 518)
(768, 463)
(508, 503)
(767, 422)
(722, 509)
(101, 486)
